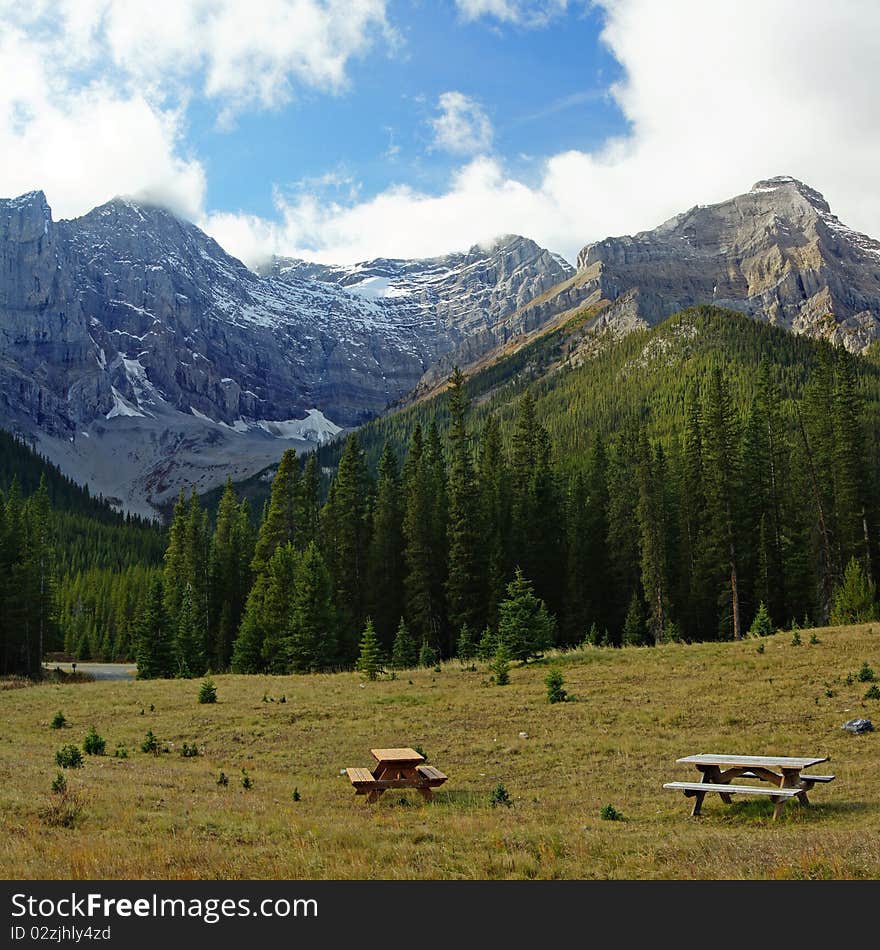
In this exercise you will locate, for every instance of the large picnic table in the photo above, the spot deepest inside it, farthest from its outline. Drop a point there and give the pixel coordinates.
(395, 768)
(783, 773)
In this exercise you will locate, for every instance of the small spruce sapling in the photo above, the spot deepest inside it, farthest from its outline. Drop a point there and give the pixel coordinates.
(370, 658)
(467, 644)
(246, 781)
(93, 744)
(500, 665)
(58, 720)
(500, 796)
(866, 674)
(762, 625)
(223, 780)
(69, 757)
(427, 656)
(208, 692)
(554, 683)
(59, 784)
(150, 743)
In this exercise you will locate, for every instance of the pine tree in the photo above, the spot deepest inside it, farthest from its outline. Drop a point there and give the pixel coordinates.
(494, 508)
(423, 609)
(722, 470)
(196, 568)
(500, 665)
(653, 519)
(848, 455)
(524, 626)
(370, 657)
(279, 525)
(348, 510)
(405, 652)
(854, 597)
(427, 654)
(228, 582)
(276, 606)
(308, 516)
(41, 558)
(696, 580)
(633, 633)
(154, 643)
(816, 426)
(175, 560)
(466, 581)
(439, 519)
(466, 647)
(623, 527)
(189, 644)
(385, 563)
(311, 645)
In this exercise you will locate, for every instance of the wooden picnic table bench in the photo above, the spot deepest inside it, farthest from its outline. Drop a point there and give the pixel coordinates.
(395, 768)
(783, 773)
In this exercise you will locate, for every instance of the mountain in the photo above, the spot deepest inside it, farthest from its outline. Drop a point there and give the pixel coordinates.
(776, 253)
(642, 376)
(480, 297)
(139, 356)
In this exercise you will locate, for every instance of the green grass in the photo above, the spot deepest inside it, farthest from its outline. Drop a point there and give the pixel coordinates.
(164, 816)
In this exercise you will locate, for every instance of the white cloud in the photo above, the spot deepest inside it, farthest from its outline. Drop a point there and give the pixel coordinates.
(82, 146)
(716, 97)
(521, 12)
(462, 127)
(94, 92)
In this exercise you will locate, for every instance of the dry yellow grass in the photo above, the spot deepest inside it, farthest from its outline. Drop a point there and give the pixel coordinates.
(637, 710)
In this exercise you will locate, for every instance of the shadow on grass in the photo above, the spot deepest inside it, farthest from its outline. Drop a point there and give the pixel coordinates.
(762, 811)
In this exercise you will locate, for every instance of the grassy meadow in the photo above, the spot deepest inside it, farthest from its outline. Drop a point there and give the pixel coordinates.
(634, 712)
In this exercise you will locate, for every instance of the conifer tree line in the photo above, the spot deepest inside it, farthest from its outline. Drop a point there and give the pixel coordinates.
(474, 543)
(27, 580)
(72, 570)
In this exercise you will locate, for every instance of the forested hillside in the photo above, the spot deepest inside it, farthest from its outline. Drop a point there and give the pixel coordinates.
(687, 483)
(71, 569)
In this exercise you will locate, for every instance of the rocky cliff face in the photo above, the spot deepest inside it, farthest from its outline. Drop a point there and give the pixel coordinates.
(776, 253)
(475, 300)
(139, 355)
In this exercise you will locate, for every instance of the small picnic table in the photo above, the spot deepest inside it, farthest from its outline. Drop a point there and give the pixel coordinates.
(784, 773)
(395, 768)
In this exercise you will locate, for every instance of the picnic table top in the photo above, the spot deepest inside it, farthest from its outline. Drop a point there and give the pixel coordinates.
(402, 756)
(747, 761)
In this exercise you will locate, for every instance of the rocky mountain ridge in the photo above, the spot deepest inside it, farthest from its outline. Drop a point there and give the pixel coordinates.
(776, 253)
(138, 355)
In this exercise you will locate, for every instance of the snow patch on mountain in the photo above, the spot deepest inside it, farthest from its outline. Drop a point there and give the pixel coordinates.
(316, 427)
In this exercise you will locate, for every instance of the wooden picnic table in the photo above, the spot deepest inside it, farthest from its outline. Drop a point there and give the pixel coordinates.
(395, 768)
(784, 774)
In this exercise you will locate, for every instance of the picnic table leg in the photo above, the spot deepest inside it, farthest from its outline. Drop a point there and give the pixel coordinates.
(712, 773)
(790, 779)
(698, 802)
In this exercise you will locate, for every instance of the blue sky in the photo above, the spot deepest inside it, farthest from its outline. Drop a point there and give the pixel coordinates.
(543, 89)
(339, 130)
